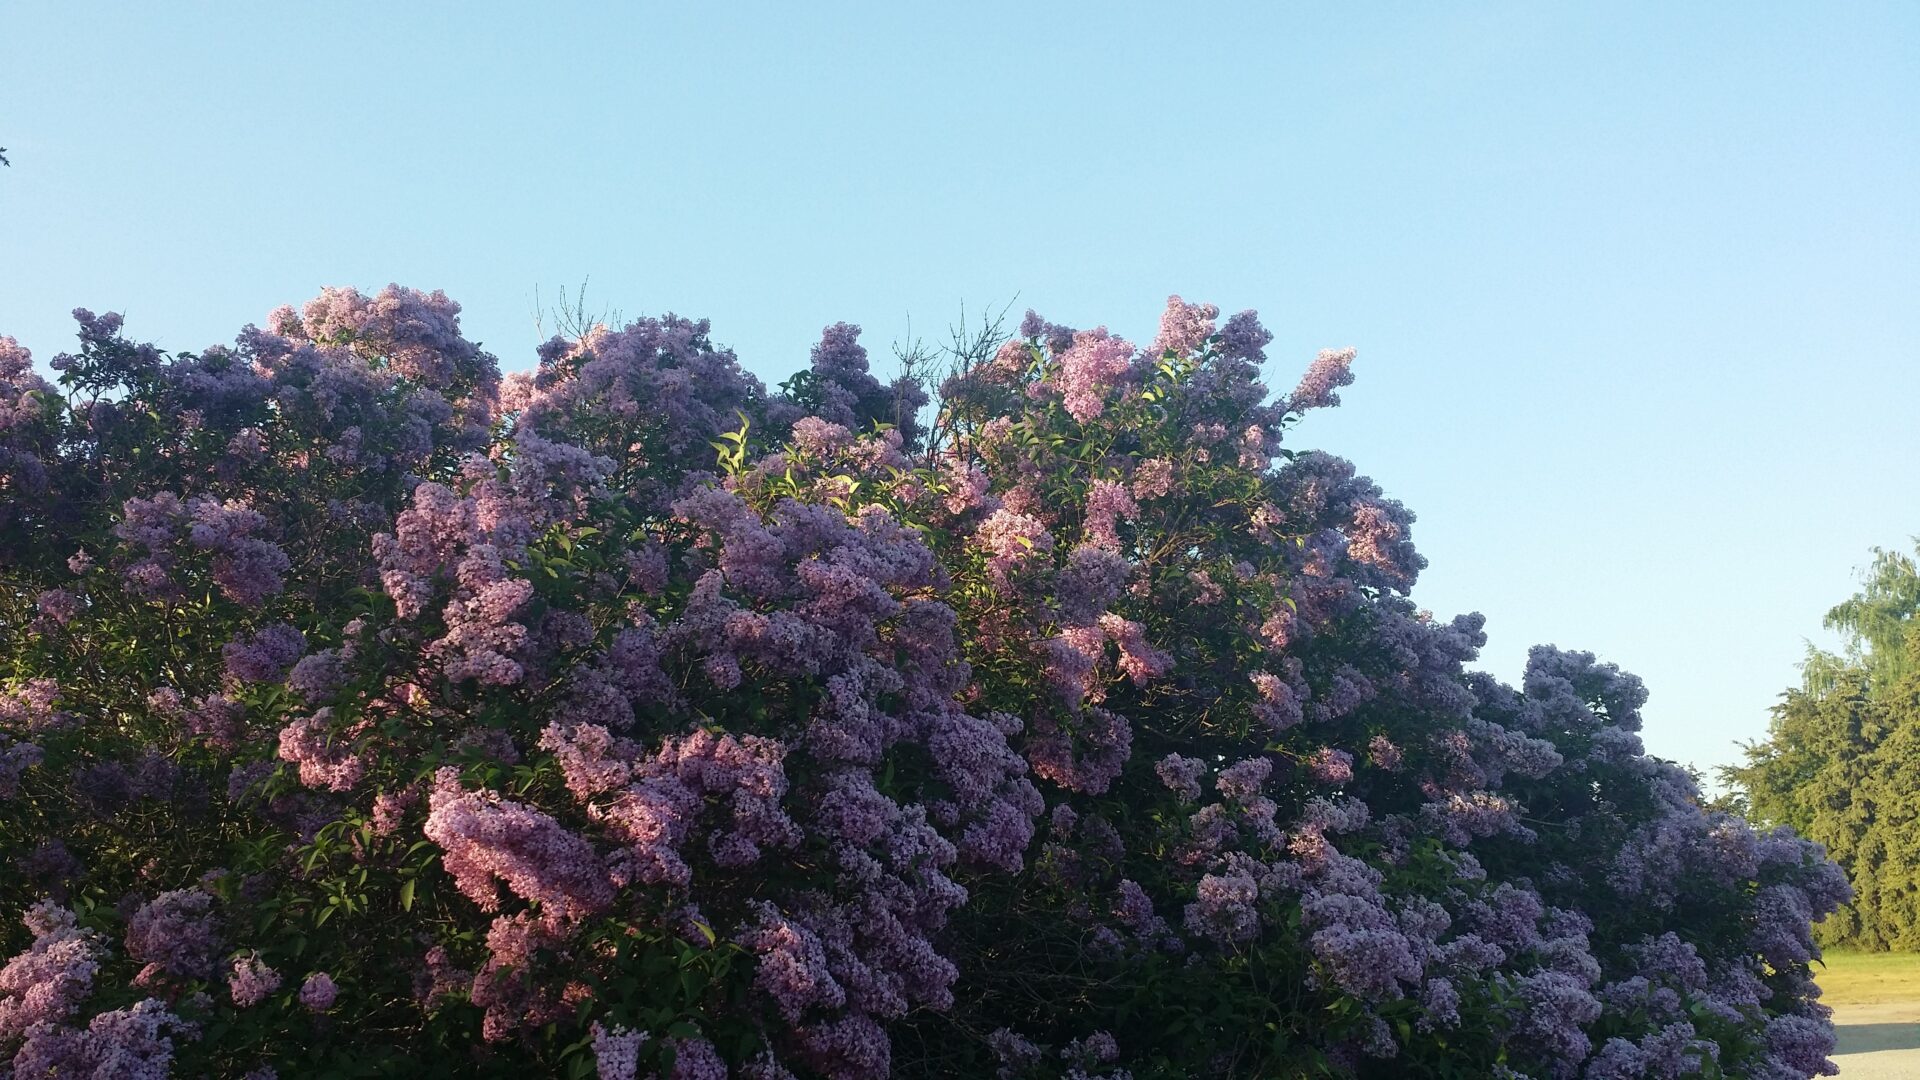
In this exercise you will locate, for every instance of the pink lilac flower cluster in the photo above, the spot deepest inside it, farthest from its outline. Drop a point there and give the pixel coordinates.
(649, 397)
(48, 982)
(246, 566)
(417, 333)
(1014, 543)
(485, 839)
(1153, 478)
(1089, 370)
(403, 334)
(1184, 327)
(28, 440)
(1108, 504)
(1181, 775)
(323, 756)
(821, 762)
(616, 1051)
(443, 545)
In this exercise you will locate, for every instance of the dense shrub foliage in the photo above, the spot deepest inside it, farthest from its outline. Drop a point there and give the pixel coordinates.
(1841, 763)
(366, 713)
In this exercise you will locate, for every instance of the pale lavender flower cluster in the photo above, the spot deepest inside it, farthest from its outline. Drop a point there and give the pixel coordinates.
(1377, 537)
(1459, 818)
(152, 525)
(647, 397)
(1139, 660)
(319, 992)
(1181, 775)
(1085, 753)
(251, 981)
(1152, 478)
(1242, 781)
(175, 934)
(1225, 907)
(29, 707)
(56, 608)
(27, 440)
(15, 759)
(1384, 753)
(216, 718)
(1134, 909)
(1243, 338)
(655, 812)
(246, 566)
(848, 395)
(1331, 370)
(818, 437)
(1090, 1052)
(1279, 705)
(135, 1043)
(446, 540)
(1016, 1053)
(1364, 949)
(1090, 582)
(416, 333)
(1330, 765)
(616, 1051)
(1671, 1051)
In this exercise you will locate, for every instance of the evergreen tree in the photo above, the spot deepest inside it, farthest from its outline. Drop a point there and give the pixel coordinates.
(1841, 762)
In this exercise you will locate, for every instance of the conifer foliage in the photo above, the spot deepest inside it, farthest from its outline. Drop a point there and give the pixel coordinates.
(365, 713)
(1841, 763)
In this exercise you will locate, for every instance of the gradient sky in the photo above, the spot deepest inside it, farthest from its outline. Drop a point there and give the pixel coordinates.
(1636, 289)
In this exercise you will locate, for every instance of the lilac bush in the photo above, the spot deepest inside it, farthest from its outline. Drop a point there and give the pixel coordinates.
(365, 713)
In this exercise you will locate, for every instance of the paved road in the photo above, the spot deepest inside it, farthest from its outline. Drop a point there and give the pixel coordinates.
(1878, 1042)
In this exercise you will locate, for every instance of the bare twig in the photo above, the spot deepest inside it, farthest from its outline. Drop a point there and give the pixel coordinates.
(571, 318)
(967, 348)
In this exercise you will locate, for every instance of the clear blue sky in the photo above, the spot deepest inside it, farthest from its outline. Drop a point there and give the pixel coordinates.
(1636, 289)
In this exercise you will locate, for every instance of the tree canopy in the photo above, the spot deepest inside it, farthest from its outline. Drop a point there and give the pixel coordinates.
(365, 712)
(1841, 761)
